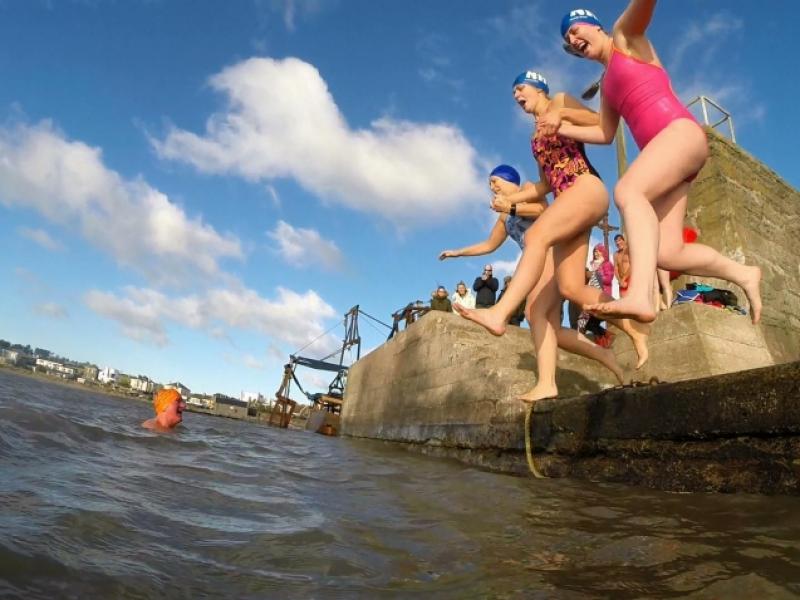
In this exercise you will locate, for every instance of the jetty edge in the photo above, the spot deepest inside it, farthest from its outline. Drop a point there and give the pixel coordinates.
(724, 422)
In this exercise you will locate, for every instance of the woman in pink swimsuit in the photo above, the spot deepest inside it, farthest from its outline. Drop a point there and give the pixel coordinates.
(580, 202)
(652, 194)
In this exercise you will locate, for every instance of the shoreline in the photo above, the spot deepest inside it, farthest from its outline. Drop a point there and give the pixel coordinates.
(260, 420)
(98, 389)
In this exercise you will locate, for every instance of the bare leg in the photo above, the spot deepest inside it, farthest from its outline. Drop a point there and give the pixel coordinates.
(576, 343)
(539, 312)
(676, 153)
(699, 259)
(542, 311)
(570, 259)
(573, 211)
(666, 287)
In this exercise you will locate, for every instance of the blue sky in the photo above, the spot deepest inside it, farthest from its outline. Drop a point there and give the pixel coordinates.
(194, 189)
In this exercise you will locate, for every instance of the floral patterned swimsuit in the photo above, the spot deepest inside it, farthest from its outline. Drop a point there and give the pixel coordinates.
(562, 160)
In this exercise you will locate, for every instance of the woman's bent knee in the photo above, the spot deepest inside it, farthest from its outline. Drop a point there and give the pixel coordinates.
(569, 290)
(623, 193)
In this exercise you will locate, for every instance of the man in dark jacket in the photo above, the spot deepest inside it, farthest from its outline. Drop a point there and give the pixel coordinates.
(441, 300)
(485, 288)
(518, 316)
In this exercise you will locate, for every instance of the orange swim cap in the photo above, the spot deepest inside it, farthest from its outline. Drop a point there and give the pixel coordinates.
(164, 398)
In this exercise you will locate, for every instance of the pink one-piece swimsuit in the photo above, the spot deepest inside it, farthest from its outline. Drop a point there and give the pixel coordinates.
(642, 94)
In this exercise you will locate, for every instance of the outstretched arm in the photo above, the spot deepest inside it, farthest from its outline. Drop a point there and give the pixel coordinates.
(634, 21)
(496, 237)
(603, 133)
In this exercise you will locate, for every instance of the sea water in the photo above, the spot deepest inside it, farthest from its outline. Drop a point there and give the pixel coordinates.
(94, 506)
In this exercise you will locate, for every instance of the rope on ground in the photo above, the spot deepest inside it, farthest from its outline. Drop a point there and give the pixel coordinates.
(529, 446)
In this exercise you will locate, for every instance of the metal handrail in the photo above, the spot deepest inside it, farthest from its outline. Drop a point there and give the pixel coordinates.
(704, 100)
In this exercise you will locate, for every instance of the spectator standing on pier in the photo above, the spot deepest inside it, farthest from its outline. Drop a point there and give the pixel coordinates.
(440, 301)
(518, 316)
(462, 296)
(622, 263)
(485, 287)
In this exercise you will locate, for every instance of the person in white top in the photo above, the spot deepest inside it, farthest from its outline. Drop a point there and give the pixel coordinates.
(462, 296)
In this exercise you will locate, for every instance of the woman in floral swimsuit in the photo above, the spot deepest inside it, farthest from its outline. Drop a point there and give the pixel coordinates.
(580, 202)
(543, 302)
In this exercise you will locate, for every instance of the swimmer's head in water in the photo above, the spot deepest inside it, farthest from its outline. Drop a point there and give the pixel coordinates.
(164, 399)
(534, 79)
(506, 172)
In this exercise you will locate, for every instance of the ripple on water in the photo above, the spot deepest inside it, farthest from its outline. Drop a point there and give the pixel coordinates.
(93, 506)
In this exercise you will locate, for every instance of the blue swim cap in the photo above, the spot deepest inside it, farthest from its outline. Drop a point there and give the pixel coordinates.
(579, 15)
(532, 78)
(506, 172)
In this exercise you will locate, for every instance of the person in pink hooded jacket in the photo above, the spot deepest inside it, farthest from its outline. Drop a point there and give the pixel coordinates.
(602, 270)
(600, 274)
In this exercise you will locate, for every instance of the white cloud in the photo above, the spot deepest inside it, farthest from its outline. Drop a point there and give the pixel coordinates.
(703, 40)
(522, 25)
(695, 65)
(41, 237)
(274, 196)
(501, 268)
(51, 310)
(67, 182)
(303, 247)
(292, 318)
(433, 50)
(251, 362)
(291, 10)
(281, 121)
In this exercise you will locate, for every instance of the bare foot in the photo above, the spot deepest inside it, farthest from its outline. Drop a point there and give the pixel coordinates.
(751, 284)
(609, 361)
(639, 334)
(539, 392)
(624, 308)
(488, 318)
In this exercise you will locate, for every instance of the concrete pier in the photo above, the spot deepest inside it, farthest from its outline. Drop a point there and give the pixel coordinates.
(727, 420)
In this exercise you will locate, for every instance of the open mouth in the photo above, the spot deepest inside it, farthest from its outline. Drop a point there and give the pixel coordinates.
(578, 49)
(521, 102)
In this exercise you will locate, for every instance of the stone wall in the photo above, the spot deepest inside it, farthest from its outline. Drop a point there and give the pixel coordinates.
(746, 211)
(445, 382)
(690, 341)
(738, 432)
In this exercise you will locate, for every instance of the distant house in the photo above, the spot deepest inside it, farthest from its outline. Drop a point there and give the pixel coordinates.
(9, 357)
(225, 406)
(201, 402)
(90, 373)
(17, 357)
(142, 384)
(56, 368)
(108, 375)
(184, 391)
(253, 397)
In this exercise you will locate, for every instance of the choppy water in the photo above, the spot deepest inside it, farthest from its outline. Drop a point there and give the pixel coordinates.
(93, 506)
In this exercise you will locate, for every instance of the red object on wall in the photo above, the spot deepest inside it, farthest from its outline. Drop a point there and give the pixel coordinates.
(689, 236)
